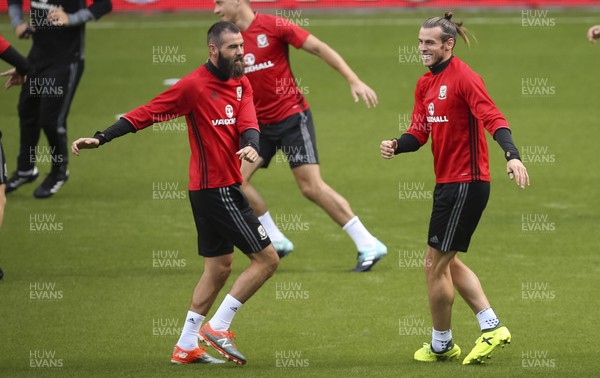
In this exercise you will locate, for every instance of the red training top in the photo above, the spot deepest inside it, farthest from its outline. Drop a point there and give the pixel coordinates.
(217, 112)
(454, 107)
(3, 44)
(266, 48)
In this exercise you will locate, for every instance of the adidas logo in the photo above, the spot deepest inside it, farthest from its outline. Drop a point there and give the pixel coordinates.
(191, 320)
(434, 239)
(234, 309)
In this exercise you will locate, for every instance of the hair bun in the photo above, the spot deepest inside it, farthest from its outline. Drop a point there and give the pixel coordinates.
(448, 16)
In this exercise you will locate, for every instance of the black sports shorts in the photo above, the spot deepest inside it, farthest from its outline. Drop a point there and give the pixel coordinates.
(295, 136)
(457, 208)
(224, 219)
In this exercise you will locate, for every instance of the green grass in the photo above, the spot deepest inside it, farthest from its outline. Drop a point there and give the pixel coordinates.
(345, 324)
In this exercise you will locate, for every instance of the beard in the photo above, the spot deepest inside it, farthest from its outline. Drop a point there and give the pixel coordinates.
(232, 68)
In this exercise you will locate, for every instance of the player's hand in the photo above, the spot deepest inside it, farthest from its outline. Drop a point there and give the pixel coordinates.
(24, 31)
(387, 148)
(362, 90)
(517, 171)
(14, 79)
(593, 33)
(247, 153)
(84, 143)
(58, 17)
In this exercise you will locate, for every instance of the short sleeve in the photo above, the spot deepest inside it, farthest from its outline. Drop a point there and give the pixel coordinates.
(290, 32)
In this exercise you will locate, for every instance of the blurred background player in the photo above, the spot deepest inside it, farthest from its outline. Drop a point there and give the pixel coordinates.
(457, 108)
(593, 33)
(16, 76)
(217, 102)
(286, 121)
(57, 54)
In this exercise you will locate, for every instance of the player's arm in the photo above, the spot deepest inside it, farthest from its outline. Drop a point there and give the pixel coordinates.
(484, 109)
(406, 143)
(58, 17)
(249, 145)
(359, 89)
(120, 128)
(514, 166)
(248, 125)
(15, 11)
(172, 103)
(11, 56)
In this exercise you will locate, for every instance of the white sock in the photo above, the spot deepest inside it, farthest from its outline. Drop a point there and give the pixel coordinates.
(221, 320)
(271, 227)
(440, 340)
(189, 334)
(487, 319)
(362, 238)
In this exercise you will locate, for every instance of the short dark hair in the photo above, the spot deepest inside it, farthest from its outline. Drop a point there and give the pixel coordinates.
(216, 31)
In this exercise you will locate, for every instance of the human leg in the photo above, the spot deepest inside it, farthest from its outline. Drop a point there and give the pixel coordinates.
(53, 120)
(282, 244)
(233, 221)
(216, 332)
(312, 186)
(448, 203)
(440, 292)
(468, 286)
(494, 334)
(29, 129)
(216, 271)
(299, 143)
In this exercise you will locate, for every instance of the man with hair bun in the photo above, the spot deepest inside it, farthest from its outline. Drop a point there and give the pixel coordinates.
(453, 106)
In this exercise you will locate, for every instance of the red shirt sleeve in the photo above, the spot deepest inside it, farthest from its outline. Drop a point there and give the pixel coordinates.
(173, 103)
(419, 127)
(290, 32)
(3, 44)
(480, 103)
(247, 114)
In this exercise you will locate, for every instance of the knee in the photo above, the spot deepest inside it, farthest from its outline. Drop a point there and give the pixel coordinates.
(221, 272)
(427, 265)
(431, 269)
(271, 263)
(435, 267)
(311, 190)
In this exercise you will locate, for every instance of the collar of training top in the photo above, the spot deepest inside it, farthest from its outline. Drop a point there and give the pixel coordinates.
(215, 71)
(440, 67)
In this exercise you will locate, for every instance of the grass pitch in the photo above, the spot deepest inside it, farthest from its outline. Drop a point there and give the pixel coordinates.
(98, 278)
